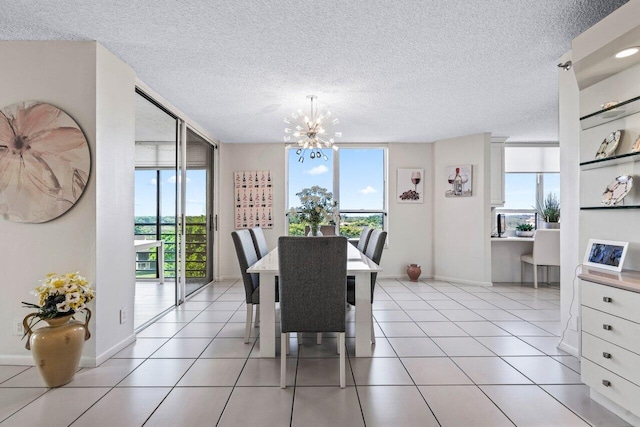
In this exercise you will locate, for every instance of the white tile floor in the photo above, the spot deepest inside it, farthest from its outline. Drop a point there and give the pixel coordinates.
(446, 354)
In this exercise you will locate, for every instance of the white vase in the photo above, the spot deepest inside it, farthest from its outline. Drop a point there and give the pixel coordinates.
(317, 235)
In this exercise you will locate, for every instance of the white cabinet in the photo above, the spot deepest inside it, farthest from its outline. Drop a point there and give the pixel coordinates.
(497, 173)
(611, 338)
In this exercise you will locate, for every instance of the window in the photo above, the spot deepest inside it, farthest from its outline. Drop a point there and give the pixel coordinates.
(522, 193)
(357, 177)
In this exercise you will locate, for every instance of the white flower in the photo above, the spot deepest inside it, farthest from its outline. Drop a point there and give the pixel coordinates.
(73, 297)
(63, 307)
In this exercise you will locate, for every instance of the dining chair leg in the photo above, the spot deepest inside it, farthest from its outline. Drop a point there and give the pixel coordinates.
(247, 331)
(338, 346)
(373, 332)
(319, 338)
(535, 276)
(257, 315)
(547, 275)
(283, 360)
(342, 359)
(288, 345)
(522, 264)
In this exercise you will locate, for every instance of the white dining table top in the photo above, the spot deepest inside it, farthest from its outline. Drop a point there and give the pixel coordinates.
(356, 262)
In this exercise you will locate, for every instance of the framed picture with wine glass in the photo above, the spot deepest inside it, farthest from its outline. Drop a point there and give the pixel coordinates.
(410, 186)
(460, 181)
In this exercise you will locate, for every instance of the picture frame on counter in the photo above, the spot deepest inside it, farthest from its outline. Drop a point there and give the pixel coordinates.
(605, 254)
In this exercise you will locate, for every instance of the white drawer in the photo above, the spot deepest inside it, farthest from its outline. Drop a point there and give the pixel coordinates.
(611, 357)
(611, 328)
(621, 303)
(617, 389)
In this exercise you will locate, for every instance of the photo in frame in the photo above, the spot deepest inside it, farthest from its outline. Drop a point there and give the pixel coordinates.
(253, 199)
(410, 186)
(460, 180)
(605, 254)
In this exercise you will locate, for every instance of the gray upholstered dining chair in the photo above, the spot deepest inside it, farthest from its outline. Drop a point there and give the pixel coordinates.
(312, 291)
(374, 252)
(259, 241)
(247, 256)
(364, 239)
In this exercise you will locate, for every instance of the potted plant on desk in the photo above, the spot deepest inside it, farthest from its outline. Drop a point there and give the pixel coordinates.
(524, 230)
(549, 211)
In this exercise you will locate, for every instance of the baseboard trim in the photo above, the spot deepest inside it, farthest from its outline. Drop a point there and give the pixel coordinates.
(17, 360)
(623, 413)
(569, 349)
(463, 281)
(92, 362)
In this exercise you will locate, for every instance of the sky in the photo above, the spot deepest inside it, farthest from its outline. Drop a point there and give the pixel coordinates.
(520, 189)
(361, 177)
(145, 192)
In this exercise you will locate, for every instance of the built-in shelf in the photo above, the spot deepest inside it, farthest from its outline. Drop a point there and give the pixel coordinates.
(610, 161)
(589, 208)
(606, 115)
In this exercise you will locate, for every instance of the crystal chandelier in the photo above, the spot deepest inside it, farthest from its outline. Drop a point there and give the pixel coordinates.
(312, 133)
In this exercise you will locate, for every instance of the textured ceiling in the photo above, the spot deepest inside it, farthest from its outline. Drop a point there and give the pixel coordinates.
(391, 71)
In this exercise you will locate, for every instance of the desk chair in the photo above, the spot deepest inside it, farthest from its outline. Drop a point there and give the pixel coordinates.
(546, 252)
(312, 291)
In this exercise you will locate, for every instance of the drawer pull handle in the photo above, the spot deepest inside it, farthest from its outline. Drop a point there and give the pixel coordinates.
(606, 383)
(607, 299)
(607, 327)
(606, 355)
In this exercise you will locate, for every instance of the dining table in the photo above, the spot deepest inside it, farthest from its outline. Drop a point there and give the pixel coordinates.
(358, 265)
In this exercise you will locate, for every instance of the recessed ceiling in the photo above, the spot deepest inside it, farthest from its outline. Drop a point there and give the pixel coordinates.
(410, 71)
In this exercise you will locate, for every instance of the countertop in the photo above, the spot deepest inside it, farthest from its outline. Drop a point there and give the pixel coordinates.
(627, 279)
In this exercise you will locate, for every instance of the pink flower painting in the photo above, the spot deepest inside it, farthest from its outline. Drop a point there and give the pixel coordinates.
(44, 162)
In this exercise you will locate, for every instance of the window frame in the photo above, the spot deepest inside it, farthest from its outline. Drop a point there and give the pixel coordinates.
(336, 183)
(540, 193)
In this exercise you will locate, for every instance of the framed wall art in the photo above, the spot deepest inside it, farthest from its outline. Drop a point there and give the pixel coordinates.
(460, 181)
(44, 162)
(253, 195)
(410, 186)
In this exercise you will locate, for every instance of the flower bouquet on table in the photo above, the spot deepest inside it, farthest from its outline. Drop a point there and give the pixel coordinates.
(57, 348)
(317, 207)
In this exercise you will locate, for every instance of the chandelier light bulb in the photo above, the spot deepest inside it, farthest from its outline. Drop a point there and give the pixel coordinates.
(310, 132)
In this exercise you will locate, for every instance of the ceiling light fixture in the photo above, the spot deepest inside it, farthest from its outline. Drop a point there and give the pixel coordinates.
(627, 52)
(311, 132)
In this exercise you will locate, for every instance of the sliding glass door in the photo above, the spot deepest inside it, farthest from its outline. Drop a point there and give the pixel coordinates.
(173, 210)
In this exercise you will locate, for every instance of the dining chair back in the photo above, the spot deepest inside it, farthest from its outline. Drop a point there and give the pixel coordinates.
(364, 239)
(374, 250)
(259, 241)
(312, 290)
(247, 256)
(546, 252)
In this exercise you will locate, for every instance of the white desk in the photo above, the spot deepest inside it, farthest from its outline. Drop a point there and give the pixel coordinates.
(143, 245)
(358, 265)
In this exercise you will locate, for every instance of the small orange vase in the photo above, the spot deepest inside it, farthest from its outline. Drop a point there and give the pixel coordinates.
(414, 271)
(57, 348)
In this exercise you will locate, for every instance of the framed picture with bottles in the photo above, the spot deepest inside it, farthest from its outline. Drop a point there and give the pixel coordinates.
(460, 181)
(410, 186)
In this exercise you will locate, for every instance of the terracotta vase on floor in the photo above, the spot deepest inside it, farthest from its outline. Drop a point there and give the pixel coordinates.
(57, 348)
(414, 271)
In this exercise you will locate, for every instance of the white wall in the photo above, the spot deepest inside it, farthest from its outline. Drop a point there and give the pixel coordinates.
(93, 88)
(114, 175)
(569, 137)
(410, 225)
(462, 226)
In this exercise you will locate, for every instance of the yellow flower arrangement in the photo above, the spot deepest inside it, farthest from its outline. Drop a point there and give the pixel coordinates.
(61, 295)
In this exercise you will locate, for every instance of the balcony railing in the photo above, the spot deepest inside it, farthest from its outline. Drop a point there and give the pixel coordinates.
(195, 248)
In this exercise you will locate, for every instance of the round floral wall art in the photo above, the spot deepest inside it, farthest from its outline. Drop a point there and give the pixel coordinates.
(44, 162)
